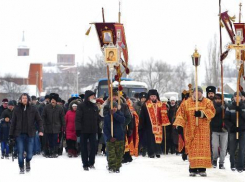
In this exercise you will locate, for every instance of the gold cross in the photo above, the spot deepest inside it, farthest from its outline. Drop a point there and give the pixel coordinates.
(238, 46)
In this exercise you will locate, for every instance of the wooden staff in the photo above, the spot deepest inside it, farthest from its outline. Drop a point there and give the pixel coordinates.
(119, 83)
(221, 63)
(119, 13)
(196, 82)
(103, 15)
(237, 103)
(110, 96)
(196, 57)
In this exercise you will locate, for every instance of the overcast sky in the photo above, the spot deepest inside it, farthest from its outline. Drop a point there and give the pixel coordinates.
(162, 29)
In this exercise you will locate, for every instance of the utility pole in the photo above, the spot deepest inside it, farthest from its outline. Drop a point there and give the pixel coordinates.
(37, 75)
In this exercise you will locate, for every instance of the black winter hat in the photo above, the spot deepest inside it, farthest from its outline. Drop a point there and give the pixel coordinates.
(14, 102)
(142, 95)
(47, 97)
(210, 89)
(82, 96)
(59, 100)
(218, 96)
(54, 96)
(153, 92)
(88, 93)
(5, 100)
(33, 97)
(11, 103)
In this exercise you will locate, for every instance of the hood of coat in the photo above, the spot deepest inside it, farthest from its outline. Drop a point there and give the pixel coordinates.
(77, 102)
(88, 93)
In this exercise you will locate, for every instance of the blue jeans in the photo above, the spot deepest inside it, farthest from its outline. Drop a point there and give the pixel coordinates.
(52, 140)
(37, 146)
(233, 144)
(5, 146)
(24, 142)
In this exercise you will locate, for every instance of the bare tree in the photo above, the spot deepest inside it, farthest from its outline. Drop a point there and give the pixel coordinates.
(212, 65)
(12, 89)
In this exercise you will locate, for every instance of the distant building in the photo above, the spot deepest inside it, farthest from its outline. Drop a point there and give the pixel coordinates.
(23, 49)
(65, 58)
(22, 70)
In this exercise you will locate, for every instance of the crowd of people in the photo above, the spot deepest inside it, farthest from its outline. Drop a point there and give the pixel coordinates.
(121, 127)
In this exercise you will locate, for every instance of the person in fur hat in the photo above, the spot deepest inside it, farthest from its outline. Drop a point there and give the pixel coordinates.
(153, 117)
(211, 91)
(54, 122)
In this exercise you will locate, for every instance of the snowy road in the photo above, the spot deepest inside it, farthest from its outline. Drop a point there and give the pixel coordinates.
(63, 169)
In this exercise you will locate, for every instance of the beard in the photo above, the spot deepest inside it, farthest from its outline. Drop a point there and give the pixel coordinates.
(154, 101)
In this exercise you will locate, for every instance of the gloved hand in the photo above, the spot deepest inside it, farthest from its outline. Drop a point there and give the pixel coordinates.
(113, 140)
(238, 109)
(78, 133)
(180, 130)
(198, 114)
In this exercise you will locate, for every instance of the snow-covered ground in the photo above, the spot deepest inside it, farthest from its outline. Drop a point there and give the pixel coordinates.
(64, 169)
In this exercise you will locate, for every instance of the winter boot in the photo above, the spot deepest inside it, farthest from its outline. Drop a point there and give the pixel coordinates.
(28, 166)
(74, 153)
(214, 164)
(91, 167)
(158, 156)
(221, 166)
(117, 170)
(111, 170)
(143, 152)
(15, 155)
(69, 153)
(85, 168)
(22, 170)
(3, 154)
(203, 174)
(193, 174)
(55, 154)
(7, 156)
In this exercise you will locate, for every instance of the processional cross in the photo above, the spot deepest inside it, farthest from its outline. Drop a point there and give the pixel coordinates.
(238, 46)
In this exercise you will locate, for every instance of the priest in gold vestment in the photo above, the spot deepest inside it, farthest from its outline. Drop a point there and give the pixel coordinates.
(197, 138)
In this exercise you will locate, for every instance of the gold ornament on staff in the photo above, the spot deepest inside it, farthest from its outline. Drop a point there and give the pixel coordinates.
(196, 57)
(238, 47)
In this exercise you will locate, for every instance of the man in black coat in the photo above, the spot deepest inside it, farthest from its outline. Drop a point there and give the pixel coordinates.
(230, 123)
(87, 121)
(3, 106)
(23, 130)
(54, 122)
